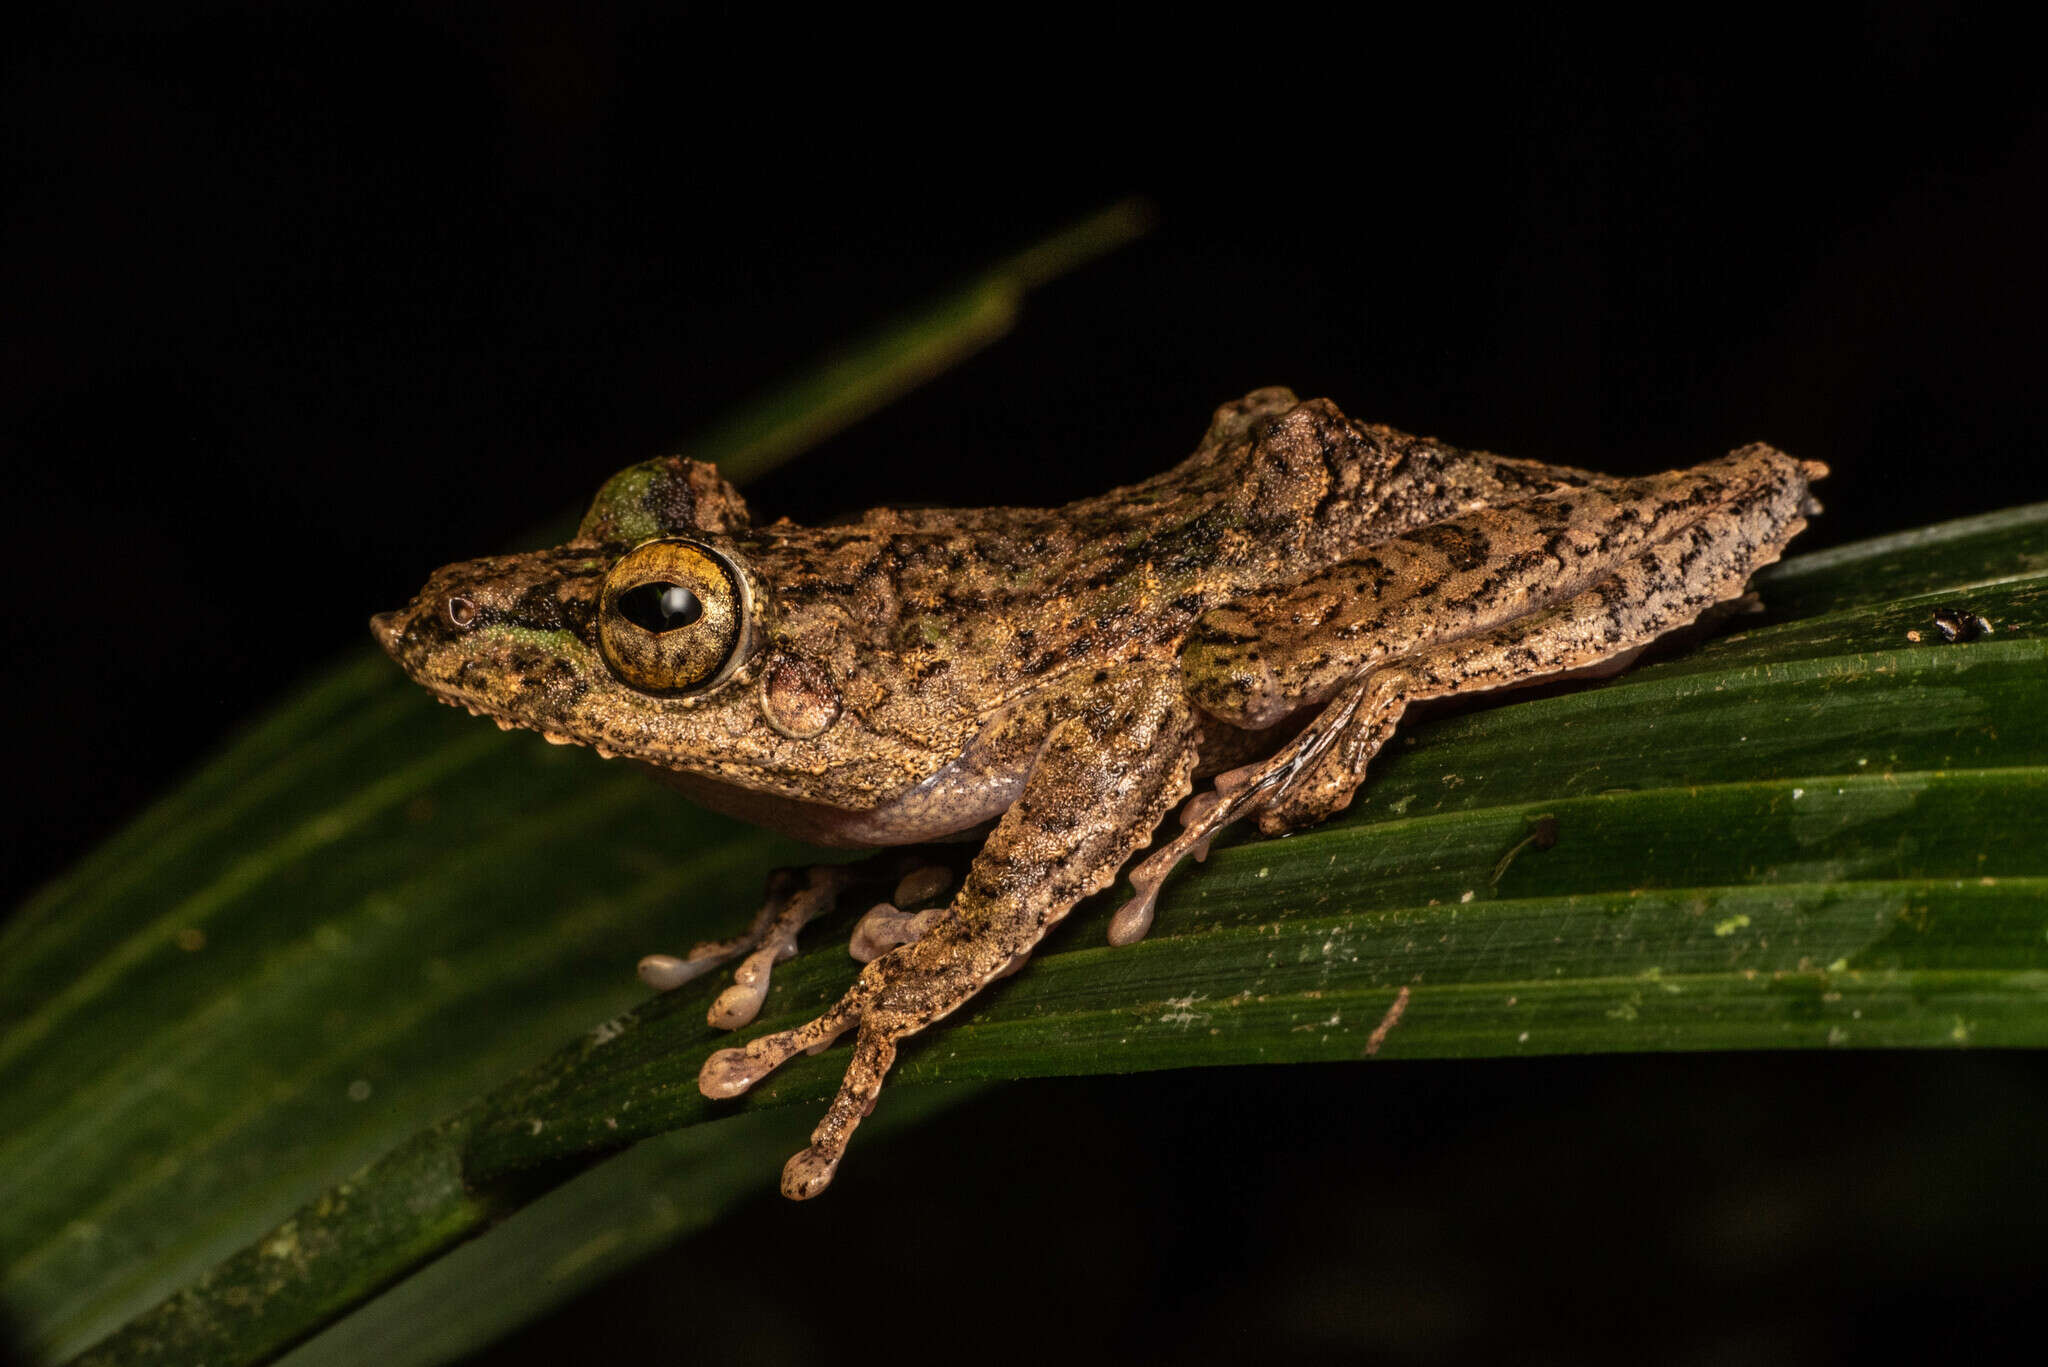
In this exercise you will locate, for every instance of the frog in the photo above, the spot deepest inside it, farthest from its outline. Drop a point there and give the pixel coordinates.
(1235, 639)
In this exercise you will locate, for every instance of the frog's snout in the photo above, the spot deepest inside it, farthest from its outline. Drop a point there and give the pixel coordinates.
(455, 599)
(387, 627)
(399, 632)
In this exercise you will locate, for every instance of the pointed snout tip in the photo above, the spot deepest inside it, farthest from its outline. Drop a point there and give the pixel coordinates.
(385, 626)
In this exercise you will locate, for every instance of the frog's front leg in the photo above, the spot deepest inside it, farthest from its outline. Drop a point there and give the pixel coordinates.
(1559, 585)
(1114, 760)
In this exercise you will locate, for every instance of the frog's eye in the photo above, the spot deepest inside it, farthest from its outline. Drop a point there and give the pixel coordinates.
(671, 616)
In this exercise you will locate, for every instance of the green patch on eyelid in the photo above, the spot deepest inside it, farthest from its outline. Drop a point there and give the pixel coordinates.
(622, 511)
(668, 496)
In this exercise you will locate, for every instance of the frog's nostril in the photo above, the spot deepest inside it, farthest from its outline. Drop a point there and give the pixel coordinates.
(461, 611)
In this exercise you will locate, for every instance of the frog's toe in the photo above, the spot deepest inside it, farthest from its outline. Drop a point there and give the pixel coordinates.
(1133, 920)
(665, 972)
(1204, 815)
(884, 928)
(740, 1003)
(888, 924)
(729, 1072)
(1237, 793)
(807, 1173)
(810, 1171)
(921, 882)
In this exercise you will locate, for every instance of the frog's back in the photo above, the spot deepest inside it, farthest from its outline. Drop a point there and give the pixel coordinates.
(1278, 487)
(1277, 490)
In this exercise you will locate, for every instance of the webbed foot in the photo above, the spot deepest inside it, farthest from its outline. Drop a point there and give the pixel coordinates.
(897, 995)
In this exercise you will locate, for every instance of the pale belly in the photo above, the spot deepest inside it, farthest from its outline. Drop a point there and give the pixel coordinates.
(954, 803)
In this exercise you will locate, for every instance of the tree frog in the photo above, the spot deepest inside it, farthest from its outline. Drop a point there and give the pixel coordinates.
(1054, 681)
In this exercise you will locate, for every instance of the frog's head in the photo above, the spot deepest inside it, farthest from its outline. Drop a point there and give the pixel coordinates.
(647, 635)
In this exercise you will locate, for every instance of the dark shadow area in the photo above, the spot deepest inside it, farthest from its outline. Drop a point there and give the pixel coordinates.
(1686, 1209)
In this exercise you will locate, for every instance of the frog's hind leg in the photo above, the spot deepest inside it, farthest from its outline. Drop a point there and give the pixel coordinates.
(795, 898)
(1660, 588)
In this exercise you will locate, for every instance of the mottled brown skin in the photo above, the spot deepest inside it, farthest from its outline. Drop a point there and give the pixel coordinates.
(1272, 603)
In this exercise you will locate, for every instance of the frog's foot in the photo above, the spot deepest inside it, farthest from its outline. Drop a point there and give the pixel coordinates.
(729, 1072)
(895, 996)
(886, 925)
(1326, 784)
(810, 1170)
(887, 1007)
(1237, 793)
(794, 900)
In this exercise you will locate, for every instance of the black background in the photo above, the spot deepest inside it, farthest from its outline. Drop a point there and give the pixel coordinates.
(301, 301)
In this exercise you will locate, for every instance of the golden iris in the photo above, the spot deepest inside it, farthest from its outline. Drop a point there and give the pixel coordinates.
(670, 616)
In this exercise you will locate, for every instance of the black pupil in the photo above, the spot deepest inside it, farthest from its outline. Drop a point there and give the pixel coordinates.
(660, 607)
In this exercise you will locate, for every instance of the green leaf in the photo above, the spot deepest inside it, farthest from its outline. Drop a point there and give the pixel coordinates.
(572, 1237)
